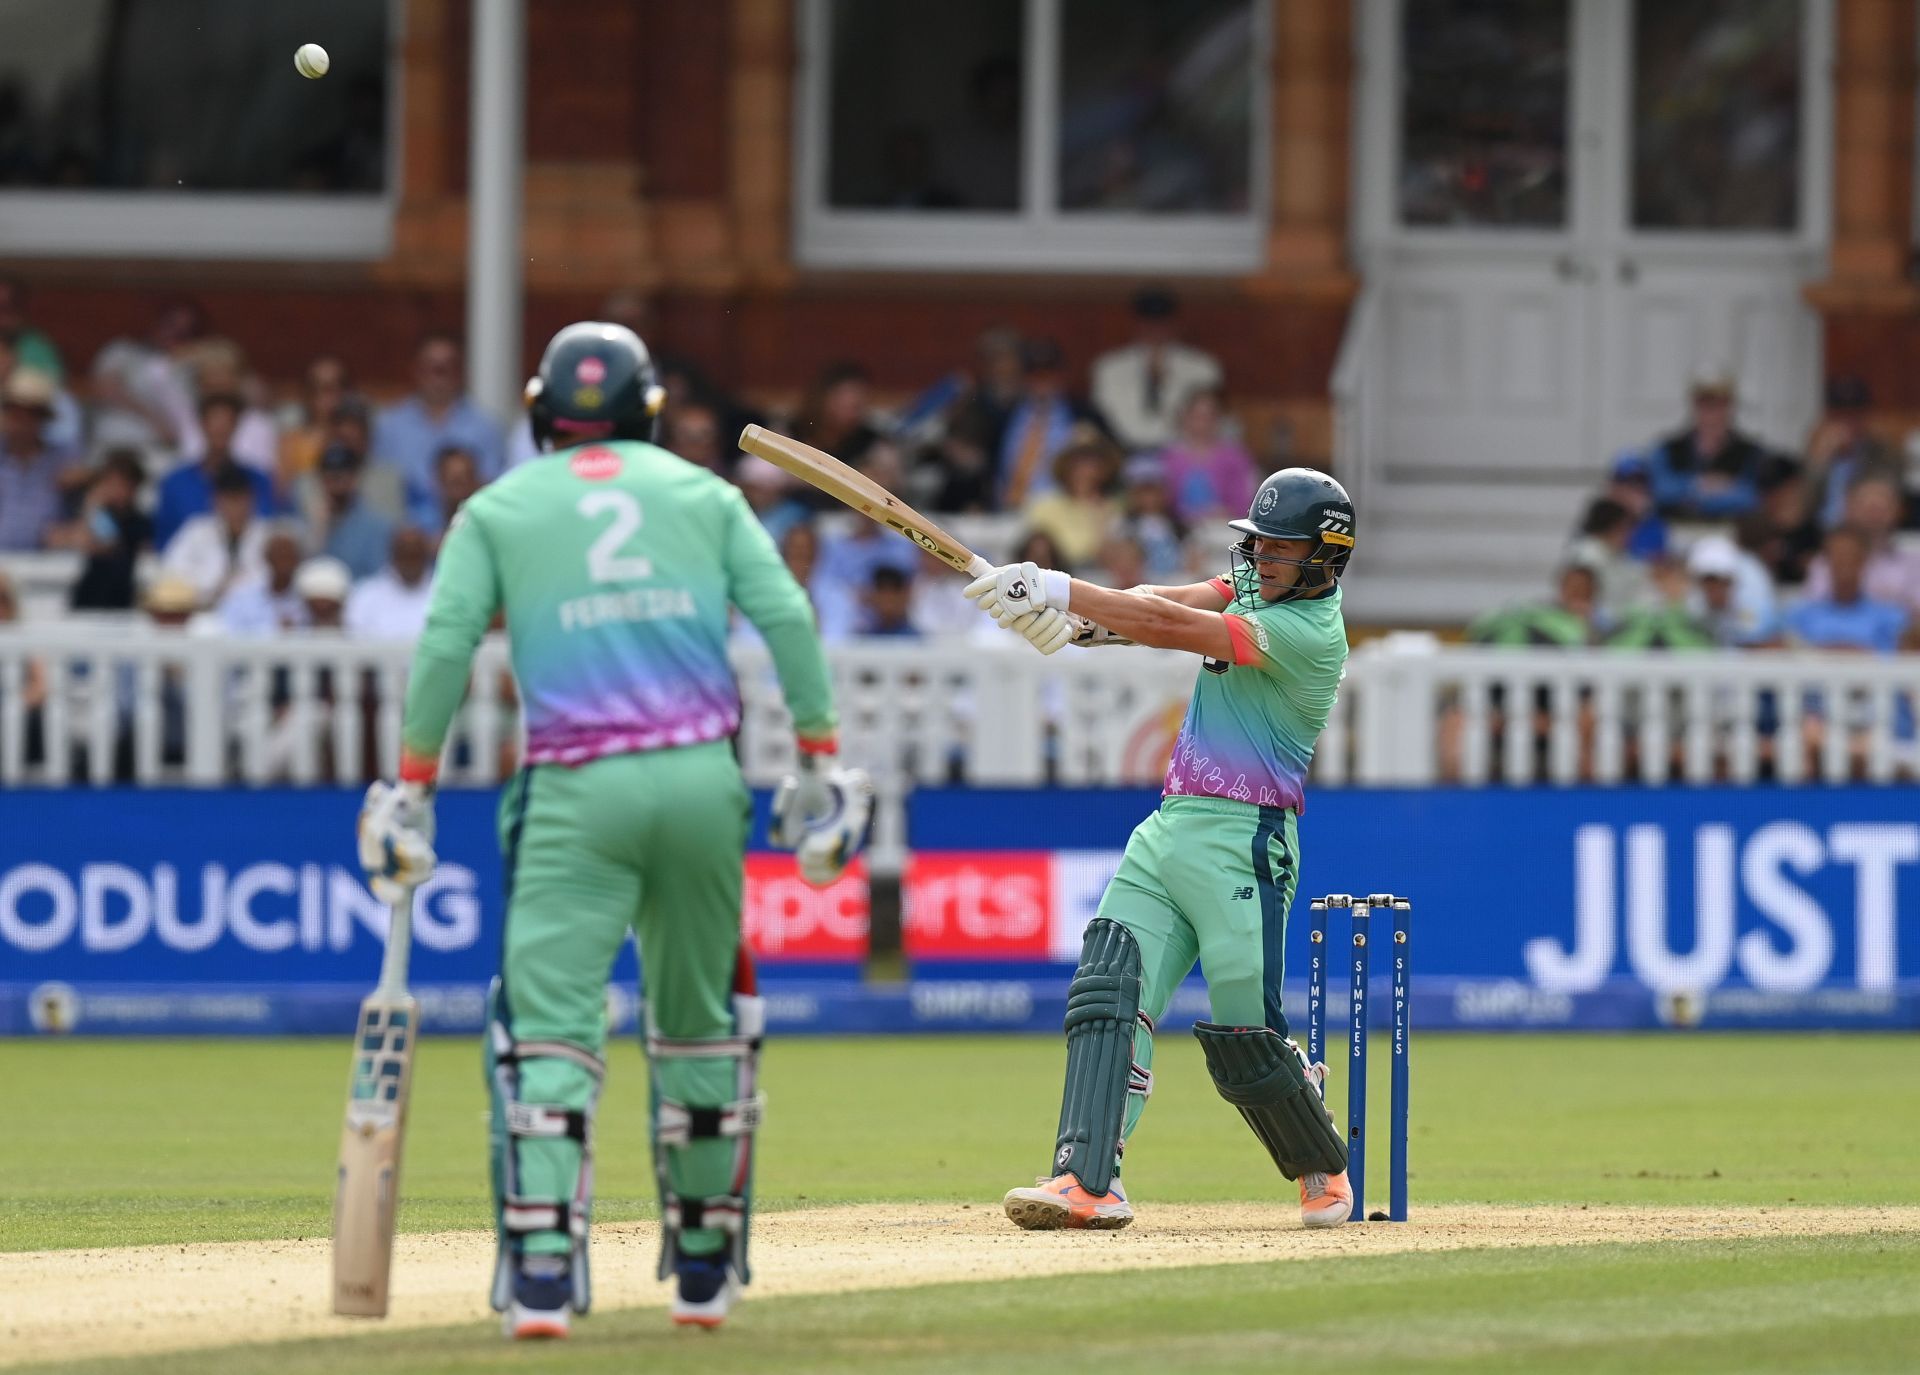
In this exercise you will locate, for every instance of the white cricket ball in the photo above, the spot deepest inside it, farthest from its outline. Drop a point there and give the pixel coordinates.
(311, 61)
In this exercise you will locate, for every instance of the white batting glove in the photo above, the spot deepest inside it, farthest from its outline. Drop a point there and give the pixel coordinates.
(822, 813)
(1047, 630)
(396, 838)
(1015, 589)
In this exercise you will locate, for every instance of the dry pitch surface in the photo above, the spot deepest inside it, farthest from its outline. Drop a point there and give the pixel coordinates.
(148, 1299)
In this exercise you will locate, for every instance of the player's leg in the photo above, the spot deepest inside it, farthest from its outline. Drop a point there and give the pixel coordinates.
(569, 904)
(1235, 870)
(1135, 953)
(703, 1023)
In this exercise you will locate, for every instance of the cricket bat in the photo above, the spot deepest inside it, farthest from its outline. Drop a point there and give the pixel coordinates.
(853, 488)
(368, 1188)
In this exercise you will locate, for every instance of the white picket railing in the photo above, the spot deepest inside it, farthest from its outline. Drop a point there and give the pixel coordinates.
(137, 704)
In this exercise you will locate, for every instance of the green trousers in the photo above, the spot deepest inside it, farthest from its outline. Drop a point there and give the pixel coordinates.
(651, 843)
(1208, 879)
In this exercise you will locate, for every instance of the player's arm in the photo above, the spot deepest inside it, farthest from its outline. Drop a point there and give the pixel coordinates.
(1215, 594)
(466, 593)
(760, 585)
(1148, 618)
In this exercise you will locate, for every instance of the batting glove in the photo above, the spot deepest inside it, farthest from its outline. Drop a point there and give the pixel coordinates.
(823, 813)
(1015, 589)
(396, 838)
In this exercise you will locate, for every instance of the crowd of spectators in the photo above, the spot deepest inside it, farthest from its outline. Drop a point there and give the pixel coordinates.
(1709, 538)
(182, 479)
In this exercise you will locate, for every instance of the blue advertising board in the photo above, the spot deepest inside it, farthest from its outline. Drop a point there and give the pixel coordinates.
(137, 912)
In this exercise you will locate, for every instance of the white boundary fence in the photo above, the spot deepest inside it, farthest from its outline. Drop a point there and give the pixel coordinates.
(134, 703)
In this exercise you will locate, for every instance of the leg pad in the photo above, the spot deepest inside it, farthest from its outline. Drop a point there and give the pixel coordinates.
(1258, 1072)
(1103, 1007)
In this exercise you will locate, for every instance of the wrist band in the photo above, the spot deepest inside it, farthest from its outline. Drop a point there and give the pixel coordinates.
(1058, 587)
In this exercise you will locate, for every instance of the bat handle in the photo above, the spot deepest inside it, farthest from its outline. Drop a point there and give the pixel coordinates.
(979, 568)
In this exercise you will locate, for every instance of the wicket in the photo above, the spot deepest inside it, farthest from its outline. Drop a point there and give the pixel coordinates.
(1360, 922)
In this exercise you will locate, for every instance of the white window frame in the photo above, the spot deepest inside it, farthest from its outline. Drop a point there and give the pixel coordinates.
(236, 225)
(1039, 236)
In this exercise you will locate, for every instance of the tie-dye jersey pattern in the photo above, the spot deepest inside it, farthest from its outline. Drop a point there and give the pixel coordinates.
(615, 565)
(1251, 726)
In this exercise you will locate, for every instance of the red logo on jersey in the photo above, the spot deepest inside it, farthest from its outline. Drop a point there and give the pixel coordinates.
(595, 464)
(591, 371)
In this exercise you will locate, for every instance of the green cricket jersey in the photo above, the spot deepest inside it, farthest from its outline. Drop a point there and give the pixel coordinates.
(615, 564)
(1251, 726)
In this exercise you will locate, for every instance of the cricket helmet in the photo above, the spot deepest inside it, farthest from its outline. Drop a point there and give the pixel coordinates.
(596, 381)
(1296, 504)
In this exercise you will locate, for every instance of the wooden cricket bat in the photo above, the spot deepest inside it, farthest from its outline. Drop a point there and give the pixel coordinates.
(368, 1189)
(853, 488)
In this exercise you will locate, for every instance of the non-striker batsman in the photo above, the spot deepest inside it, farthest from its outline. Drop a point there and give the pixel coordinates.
(615, 564)
(1211, 874)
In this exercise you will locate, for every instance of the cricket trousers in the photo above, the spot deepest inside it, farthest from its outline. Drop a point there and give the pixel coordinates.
(1212, 880)
(651, 843)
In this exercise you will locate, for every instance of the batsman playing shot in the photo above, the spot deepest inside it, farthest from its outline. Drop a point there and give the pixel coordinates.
(1211, 874)
(615, 564)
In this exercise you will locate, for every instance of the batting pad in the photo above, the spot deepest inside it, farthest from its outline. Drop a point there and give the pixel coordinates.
(1257, 1072)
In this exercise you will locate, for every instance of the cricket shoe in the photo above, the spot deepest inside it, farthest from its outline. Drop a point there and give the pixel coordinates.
(705, 1290)
(1326, 1200)
(542, 1305)
(1064, 1201)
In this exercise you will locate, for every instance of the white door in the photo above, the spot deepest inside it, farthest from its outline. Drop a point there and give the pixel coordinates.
(1568, 207)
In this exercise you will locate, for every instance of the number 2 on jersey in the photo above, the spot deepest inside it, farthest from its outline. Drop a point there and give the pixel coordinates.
(605, 562)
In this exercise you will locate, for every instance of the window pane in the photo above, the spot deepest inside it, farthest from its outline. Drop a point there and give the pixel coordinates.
(192, 95)
(1716, 114)
(1483, 117)
(926, 105)
(1156, 105)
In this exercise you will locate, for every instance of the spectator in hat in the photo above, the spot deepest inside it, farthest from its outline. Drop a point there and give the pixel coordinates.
(392, 604)
(1138, 386)
(65, 427)
(1892, 573)
(1146, 516)
(1078, 513)
(341, 524)
(268, 605)
(1210, 474)
(438, 413)
(1709, 471)
(225, 546)
(323, 584)
(188, 492)
(33, 346)
(1842, 450)
(112, 531)
(1731, 596)
(1041, 423)
(35, 478)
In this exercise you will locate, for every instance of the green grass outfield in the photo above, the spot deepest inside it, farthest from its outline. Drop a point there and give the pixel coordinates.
(139, 1142)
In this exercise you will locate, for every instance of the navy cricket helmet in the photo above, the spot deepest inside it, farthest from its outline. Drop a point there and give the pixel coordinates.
(596, 381)
(1294, 504)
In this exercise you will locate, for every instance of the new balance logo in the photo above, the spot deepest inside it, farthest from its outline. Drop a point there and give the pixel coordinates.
(1242, 894)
